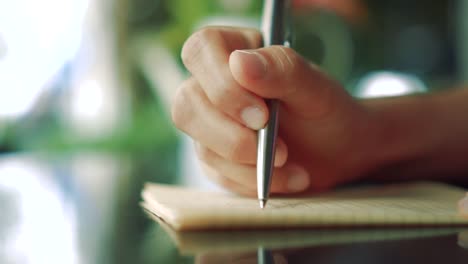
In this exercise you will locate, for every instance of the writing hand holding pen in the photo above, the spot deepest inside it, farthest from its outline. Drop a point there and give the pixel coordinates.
(222, 105)
(325, 136)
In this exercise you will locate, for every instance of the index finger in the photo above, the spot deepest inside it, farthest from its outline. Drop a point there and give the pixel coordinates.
(206, 55)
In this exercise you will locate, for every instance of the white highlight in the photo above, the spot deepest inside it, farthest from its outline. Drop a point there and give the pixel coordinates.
(385, 83)
(40, 37)
(45, 231)
(88, 102)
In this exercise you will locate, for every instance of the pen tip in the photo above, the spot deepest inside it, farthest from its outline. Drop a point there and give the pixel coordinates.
(262, 203)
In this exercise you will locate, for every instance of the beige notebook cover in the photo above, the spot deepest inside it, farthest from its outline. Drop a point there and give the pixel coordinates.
(420, 204)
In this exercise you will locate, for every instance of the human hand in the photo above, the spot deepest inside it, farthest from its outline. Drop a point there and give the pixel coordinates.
(463, 207)
(325, 136)
(238, 258)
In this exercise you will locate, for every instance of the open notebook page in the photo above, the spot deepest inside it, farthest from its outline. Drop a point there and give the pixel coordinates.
(421, 203)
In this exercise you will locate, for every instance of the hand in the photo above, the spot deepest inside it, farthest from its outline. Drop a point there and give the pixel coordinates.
(324, 134)
(463, 207)
(238, 257)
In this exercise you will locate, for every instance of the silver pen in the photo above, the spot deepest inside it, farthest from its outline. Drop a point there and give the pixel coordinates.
(275, 15)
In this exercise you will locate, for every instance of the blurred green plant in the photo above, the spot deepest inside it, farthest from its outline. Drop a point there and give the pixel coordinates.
(174, 20)
(149, 129)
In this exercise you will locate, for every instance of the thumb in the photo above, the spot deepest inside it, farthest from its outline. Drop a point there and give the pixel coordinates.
(278, 72)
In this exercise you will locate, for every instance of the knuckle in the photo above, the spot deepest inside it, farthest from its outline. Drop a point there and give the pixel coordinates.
(208, 33)
(285, 59)
(182, 107)
(193, 47)
(191, 50)
(240, 146)
(274, 56)
(223, 96)
(291, 60)
(213, 173)
(204, 154)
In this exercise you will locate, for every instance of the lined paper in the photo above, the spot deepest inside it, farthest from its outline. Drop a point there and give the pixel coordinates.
(417, 203)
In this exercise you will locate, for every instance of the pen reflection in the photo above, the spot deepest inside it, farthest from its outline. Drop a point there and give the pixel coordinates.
(367, 245)
(363, 252)
(262, 256)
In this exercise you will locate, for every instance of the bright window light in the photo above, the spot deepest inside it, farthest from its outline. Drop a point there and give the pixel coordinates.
(385, 83)
(88, 101)
(45, 231)
(37, 39)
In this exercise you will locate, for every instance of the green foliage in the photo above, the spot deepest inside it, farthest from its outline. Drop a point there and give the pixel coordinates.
(181, 17)
(149, 130)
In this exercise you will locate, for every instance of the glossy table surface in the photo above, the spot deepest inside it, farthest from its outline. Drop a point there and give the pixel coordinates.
(84, 208)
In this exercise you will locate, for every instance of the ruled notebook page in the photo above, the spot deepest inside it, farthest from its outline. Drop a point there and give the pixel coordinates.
(423, 203)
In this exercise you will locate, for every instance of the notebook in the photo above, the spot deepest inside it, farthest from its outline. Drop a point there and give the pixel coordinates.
(405, 204)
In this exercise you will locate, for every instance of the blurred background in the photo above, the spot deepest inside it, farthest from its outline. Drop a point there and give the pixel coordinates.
(85, 91)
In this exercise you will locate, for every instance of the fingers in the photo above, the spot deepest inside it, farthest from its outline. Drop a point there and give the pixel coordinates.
(194, 114)
(206, 54)
(237, 258)
(279, 72)
(463, 239)
(241, 178)
(463, 206)
(223, 102)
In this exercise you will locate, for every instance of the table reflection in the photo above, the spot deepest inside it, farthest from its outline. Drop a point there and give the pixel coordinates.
(49, 209)
(431, 248)
(84, 208)
(362, 245)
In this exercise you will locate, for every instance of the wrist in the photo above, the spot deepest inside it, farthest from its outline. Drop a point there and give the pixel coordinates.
(399, 136)
(419, 137)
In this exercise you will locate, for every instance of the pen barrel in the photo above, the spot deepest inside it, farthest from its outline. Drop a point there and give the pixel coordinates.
(274, 22)
(274, 33)
(264, 256)
(266, 151)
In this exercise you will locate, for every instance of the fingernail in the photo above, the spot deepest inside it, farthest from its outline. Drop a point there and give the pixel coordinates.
(463, 205)
(253, 117)
(298, 180)
(254, 63)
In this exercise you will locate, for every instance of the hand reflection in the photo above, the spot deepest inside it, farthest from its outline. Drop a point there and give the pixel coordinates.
(463, 206)
(463, 239)
(240, 258)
